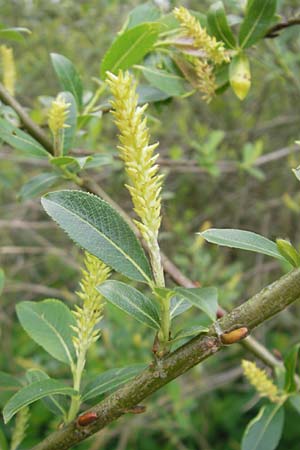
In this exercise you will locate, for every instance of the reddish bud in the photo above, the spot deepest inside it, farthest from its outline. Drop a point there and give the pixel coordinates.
(220, 313)
(86, 419)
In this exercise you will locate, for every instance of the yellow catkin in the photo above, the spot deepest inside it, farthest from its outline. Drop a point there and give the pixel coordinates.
(260, 380)
(213, 49)
(8, 68)
(206, 79)
(58, 115)
(89, 314)
(138, 155)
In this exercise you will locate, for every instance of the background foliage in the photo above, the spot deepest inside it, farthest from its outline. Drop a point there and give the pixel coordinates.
(224, 166)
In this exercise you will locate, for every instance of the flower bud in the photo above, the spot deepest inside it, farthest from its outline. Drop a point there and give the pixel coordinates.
(240, 75)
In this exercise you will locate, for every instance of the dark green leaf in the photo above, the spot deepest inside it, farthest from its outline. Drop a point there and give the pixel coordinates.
(69, 132)
(150, 94)
(68, 76)
(110, 380)
(178, 306)
(53, 402)
(290, 363)
(21, 141)
(205, 299)
(264, 431)
(3, 440)
(8, 386)
(98, 160)
(190, 332)
(218, 25)
(49, 323)
(245, 240)
(146, 12)
(295, 402)
(98, 228)
(170, 83)
(32, 393)
(259, 17)
(130, 47)
(131, 301)
(38, 185)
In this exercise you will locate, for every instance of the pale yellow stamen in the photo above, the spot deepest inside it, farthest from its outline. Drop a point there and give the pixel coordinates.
(260, 380)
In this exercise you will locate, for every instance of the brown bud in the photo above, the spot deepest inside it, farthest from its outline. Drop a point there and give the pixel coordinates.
(86, 419)
(220, 313)
(234, 336)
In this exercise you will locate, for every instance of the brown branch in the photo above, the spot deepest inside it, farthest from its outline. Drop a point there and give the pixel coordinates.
(30, 126)
(264, 305)
(275, 29)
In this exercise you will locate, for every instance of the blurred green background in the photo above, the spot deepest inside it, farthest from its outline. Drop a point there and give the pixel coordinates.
(227, 164)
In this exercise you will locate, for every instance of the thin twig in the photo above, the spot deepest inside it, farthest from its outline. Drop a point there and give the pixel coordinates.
(287, 23)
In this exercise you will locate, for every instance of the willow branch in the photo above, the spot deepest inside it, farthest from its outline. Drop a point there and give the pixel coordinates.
(90, 186)
(264, 305)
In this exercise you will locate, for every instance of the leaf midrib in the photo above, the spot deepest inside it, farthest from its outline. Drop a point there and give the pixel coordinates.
(119, 62)
(42, 317)
(106, 238)
(246, 39)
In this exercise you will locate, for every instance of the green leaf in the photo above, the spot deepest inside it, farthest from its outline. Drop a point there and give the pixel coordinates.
(32, 393)
(290, 363)
(110, 380)
(189, 332)
(68, 76)
(8, 386)
(13, 34)
(141, 14)
(245, 240)
(218, 25)
(150, 94)
(259, 17)
(79, 162)
(21, 141)
(53, 402)
(38, 185)
(71, 121)
(130, 47)
(98, 160)
(264, 431)
(288, 252)
(3, 440)
(178, 306)
(205, 299)
(98, 228)
(2, 280)
(49, 323)
(295, 402)
(131, 301)
(170, 83)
